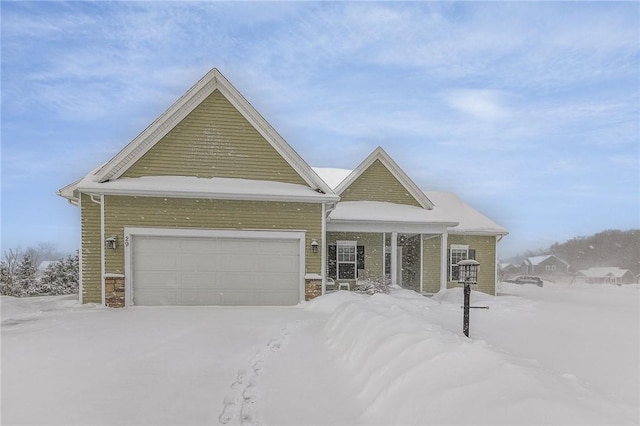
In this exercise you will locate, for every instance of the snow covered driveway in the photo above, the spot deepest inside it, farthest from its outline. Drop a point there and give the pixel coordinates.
(555, 355)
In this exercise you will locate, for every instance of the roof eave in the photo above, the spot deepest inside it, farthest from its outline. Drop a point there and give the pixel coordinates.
(312, 198)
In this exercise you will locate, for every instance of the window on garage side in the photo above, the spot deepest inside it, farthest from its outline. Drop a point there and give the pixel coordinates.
(458, 252)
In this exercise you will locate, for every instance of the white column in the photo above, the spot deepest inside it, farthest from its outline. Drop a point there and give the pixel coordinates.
(323, 249)
(421, 264)
(444, 267)
(394, 258)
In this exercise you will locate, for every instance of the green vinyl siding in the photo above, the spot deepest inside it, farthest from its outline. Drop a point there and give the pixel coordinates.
(122, 211)
(377, 183)
(91, 250)
(431, 269)
(373, 251)
(215, 140)
(485, 247)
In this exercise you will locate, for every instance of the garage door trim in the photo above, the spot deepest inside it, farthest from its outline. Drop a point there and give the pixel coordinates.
(130, 233)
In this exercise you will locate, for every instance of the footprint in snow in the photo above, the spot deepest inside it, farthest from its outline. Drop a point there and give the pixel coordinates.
(239, 405)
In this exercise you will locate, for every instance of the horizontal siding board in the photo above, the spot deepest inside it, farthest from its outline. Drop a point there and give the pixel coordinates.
(121, 212)
(91, 251)
(485, 247)
(377, 183)
(215, 140)
(431, 269)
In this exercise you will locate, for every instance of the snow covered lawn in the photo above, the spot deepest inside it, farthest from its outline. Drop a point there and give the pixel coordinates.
(554, 355)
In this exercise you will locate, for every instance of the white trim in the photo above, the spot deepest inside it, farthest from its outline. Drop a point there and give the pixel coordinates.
(394, 258)
(130, 232)
(394, 169)
(376, 227)
(444, 268)
(312, 197)
(421, 264)
(323, 250)
(102, 251)
(464, 247)
(495, 266)
(348, 243)
(384, 256)
(80, 274)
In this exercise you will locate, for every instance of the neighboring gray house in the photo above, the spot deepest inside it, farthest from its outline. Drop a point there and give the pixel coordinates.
(606, 275)
(548, 266)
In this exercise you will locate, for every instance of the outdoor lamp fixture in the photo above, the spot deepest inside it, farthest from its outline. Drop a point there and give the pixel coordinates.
(314, 245)
(112, 242)
(468, 275)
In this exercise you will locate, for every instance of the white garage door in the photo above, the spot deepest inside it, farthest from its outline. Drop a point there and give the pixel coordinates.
(169, 270)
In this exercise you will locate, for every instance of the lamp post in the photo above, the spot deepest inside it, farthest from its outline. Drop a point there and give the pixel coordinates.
(467, 275)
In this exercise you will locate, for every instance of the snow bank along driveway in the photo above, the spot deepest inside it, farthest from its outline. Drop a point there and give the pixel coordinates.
(551, 355)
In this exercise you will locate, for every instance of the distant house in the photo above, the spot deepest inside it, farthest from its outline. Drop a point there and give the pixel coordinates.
(548, 266)
(507, 270)
(606, 275)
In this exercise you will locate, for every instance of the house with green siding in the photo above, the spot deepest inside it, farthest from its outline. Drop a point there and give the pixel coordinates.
(209, 205)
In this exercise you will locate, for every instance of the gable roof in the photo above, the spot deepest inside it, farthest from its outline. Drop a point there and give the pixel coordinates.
(536, 260)
(602, 272)
(447, 207)
(379, 154)
(213, 80)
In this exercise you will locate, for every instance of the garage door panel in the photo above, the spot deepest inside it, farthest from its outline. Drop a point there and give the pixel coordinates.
(275, 281)
(213, 271)
(198, 261)
(156, 261)
(200, 245)
(155, 244)
(190, 297)
(197, 280)
(235, 262)
(276, 262)
(158, 280)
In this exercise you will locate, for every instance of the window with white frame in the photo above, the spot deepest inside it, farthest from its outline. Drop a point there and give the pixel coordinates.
(458, 252)
(346, 259)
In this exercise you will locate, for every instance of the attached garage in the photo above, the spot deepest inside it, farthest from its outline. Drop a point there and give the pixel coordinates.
(196, 267)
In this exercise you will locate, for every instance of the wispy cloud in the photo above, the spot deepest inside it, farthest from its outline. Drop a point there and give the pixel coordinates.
(482, 104)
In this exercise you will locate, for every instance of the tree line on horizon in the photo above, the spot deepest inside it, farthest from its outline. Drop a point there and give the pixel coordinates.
(610, 248)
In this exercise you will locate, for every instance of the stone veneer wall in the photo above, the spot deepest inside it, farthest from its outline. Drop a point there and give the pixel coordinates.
(114, 291)
(312, 288)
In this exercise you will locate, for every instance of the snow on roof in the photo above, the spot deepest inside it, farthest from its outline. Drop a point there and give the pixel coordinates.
(536, 260)
(469, 219)
(603, 272)
(377, 211)
(332, 177)
(194, 187)
(448, 208)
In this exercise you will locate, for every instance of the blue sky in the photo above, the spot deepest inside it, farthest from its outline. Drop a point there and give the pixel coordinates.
(529, 111)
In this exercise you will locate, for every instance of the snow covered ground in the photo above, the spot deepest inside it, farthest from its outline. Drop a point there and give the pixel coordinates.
(561, 354)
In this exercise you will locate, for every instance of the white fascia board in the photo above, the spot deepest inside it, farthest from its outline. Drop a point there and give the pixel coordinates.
(374, 226)
(396, 171)
(319, 198)
(479, 232)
